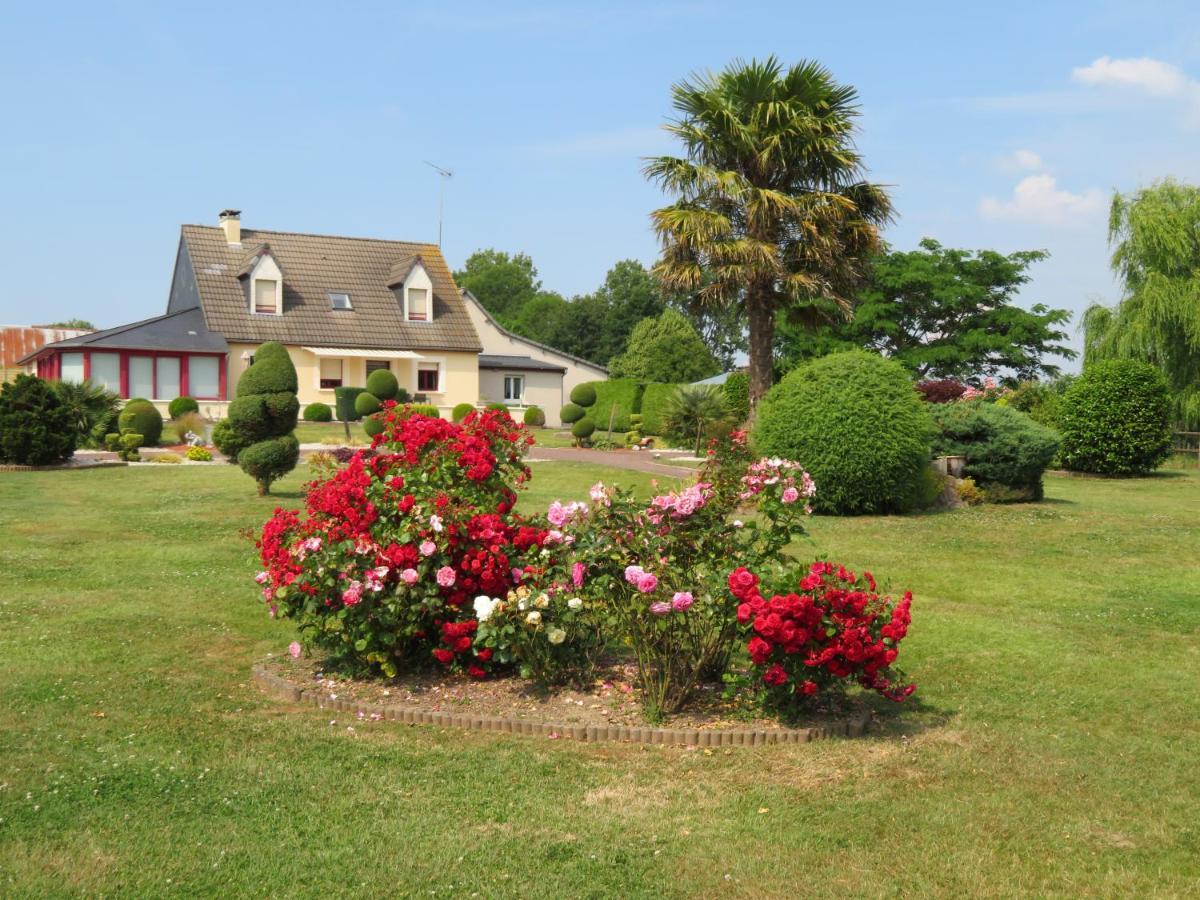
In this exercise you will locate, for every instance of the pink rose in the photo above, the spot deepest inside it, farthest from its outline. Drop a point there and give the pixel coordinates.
(681, 601)
(790, 495)
(409, 576)
(633, 574)
(517, 575)
(428, 548)
(557, 514)
(294, 649)
(659, 608)
(577, 572)
(352, 594)
(445, 576)
(647, 583)
(261, 577)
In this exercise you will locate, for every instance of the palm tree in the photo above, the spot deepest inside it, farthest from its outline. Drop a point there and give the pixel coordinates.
(772, 213)
(692, 410)
(90, 405)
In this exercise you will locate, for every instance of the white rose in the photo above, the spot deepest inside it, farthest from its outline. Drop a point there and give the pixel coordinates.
(556, 635)
(484, 606)
(534, 618)
(574, 603)
(542, 601)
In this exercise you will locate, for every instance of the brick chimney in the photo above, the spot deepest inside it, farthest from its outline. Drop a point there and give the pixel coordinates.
(231, 224)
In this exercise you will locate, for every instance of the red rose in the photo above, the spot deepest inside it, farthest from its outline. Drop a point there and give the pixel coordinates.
(743, 613)
(759, 650)
(742, 582)
(809, 687)
(444, 656)
(484, 655)
(775, 675)
(462, 645)
(476, 672)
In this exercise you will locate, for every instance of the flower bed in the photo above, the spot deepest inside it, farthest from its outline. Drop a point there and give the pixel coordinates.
(411, 557)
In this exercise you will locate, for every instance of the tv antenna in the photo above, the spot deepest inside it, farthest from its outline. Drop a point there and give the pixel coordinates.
(446, 174)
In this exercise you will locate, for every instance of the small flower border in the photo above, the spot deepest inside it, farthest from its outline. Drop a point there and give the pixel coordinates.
(281, 688)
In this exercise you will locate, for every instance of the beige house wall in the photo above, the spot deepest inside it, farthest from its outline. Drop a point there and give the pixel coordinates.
(543, 389)
(459, 375)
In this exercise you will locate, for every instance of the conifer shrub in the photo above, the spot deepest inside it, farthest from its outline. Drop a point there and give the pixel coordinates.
(263, 416)
(181, 405)
(140, 416)
(318, 412)
(1115, 419)
(35, 426)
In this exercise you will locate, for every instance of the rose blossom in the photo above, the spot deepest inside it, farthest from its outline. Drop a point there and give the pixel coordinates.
(556, 635)
(534, 618)
(445, 576)
(428, 548)
(262, 577)
(294, 649)
(659, 608)
(484, 607)
(435, 522)
(790, 495)
(557, 514)
(409, 576)
(577, 572)
(647, 583)
(633, 574)
(574, 603)
(352, 594)
(682, 600)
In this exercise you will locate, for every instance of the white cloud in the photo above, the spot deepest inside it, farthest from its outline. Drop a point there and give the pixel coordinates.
(1037, 199)
(1152, 76)
(1020, 161)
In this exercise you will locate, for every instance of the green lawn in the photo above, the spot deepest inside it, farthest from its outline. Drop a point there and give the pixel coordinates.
(1053, 750)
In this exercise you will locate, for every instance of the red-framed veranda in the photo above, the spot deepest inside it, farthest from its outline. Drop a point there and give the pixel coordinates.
(152, 374)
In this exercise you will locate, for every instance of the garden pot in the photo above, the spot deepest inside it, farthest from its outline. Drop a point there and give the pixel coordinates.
(950, 465)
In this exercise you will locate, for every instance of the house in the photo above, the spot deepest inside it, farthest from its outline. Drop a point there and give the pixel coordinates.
(520, 372)
(342, 306)
(18, 342)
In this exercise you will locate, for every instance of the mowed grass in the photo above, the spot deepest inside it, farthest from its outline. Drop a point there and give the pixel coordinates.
(1052, 751)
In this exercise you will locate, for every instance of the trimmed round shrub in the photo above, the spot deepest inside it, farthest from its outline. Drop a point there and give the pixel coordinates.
(424, 409)
(366, 404)
(571, 413)
(1115, 419)
(583, 394)
(258, 416)
(344, 398)
(140, 416)
(737, 396)
(535, 417)
(318, 412)
(272, 372)
(373, 425)
(35, 427)
(383, 384)
(584, 428)
(460, 411)
(226, 439)
(1002, 446)
(269, 460)
(181, 405)
(499, 407)
(855, 423)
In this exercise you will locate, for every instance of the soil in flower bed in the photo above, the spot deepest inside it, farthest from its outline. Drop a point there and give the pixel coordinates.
(611, 699)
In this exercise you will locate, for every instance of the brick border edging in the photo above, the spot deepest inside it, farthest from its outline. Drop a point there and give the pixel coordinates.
(283, 689)
(101, 464)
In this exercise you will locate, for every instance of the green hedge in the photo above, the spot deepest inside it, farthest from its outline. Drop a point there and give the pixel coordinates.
(1002, 446)
(618, 393)
(460, 411)
(736, 389)
(1115, 419)
(535, 417)
(854, 421)
(35, 426)
(383, 384)
(344, 398)
(654, 404)
(181, 405)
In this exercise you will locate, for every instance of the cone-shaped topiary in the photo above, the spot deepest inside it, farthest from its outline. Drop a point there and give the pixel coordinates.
(460, 411)
(263, 416)
(383, 384)
(854, 421)
(366, 404)
(583, 395)
(35, 426)
(571, 413)
(140, 416)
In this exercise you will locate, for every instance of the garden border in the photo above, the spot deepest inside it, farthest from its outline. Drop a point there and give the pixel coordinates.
(283, 689)
(60, 467)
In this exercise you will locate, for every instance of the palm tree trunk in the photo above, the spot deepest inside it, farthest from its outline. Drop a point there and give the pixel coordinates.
(761, 318)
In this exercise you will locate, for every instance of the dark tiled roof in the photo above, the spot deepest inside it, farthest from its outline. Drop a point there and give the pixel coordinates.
(181, 331)
(314, 265)
(487, 361)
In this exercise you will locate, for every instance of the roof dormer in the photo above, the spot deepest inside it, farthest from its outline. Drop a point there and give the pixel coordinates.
(413, 289)
(263, 280)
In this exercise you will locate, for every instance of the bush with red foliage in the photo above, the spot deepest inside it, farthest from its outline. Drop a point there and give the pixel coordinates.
(941, 390)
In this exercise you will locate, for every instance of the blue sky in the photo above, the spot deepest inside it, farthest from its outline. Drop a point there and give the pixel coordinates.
(1003, 125)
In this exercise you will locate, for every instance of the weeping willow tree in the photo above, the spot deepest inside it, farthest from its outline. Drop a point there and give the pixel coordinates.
(772, 212)
(1155, 235)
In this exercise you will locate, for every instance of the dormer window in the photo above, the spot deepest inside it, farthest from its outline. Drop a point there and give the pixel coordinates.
(339, 300)
(418, 305)
(266, 296)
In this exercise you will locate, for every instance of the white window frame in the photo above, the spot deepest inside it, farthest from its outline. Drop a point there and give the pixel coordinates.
(349, 307)
(520, 395)
(419, 279)
(341, 361)
(266, 269)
